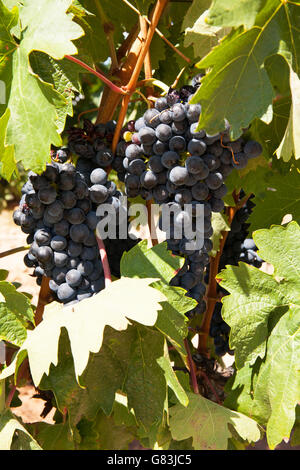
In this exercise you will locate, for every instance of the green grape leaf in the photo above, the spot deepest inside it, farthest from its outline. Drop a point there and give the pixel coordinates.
(122, 415)
(197, 32)
(278, 381)
(88, 45)
(219, 224)
(121, 424)
(49, 28)
(15, 311)
(254, 181)
(34, 104)
(237, 74)
(7, 47)
(9, 19)
(209, 424)
(239, 394)
(127, 361)
(171, 320)
(290, 144)
(280, 198)
(7, 161)
(145, 383)
(3, 274)
(109, 435)
(279, 74)
(235, 13)
(157, 261)
(102, 378)
(270, 390)
(54, 436)
(255, 295)
(64, 76)
(171, 378)
(263, 312)
(247, 310)
(9, 426)
(270, 135)
(119, 303)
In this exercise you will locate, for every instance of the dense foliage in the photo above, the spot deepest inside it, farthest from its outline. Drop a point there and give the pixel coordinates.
(164, 102)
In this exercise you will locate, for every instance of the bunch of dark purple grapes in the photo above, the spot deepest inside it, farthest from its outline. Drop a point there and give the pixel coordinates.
(57, 210)
(170, 161)
(238, 247)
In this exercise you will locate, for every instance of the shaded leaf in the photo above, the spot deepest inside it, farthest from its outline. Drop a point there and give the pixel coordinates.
(10, 427)
(119, 301)
(280, 198)
(237, 73)
(219, 224)
(208, 424)
(263, 312)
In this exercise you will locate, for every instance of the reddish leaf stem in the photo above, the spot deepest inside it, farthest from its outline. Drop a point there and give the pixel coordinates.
(105, 263)
(210, 385)
(160, 34)
(159, 8)
(192, 367)
(44, 298)
(102, 77)
(212, 296)
(147, 61)
(131, 85)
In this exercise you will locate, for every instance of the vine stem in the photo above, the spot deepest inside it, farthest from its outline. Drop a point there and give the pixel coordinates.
(212, 296)
(147, 61)
(160, 34)
(121, 118)
(131, 49)
(131, 85)
(14, 250)
(88, 111)
(109, 32)
(44, 299)
(192, 367)
(105, 263)
(159, 8)
(102, 77)
(210, 385)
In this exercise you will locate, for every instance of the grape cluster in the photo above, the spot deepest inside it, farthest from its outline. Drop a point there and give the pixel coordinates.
(162, 156)
(170, 161)
(191, 275)
(56, 211)
(238, 247)
(92, 145)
